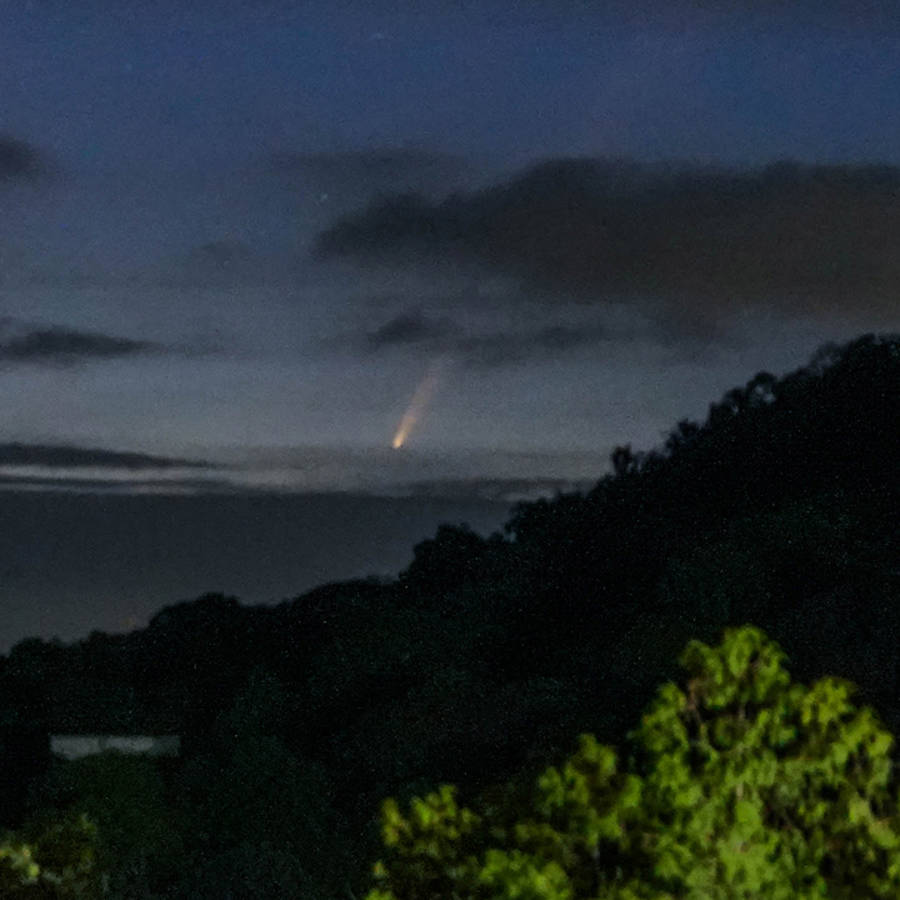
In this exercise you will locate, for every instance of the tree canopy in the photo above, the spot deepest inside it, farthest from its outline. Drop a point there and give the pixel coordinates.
(737, 783)
(53, 857)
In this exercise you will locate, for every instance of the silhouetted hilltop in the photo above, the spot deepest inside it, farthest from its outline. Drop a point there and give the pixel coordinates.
(823, 430)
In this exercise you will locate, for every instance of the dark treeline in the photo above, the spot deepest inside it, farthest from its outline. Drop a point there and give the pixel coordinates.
(485, 657)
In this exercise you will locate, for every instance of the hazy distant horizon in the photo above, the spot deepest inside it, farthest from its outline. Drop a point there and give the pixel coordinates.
(106, 546)
(73, 563)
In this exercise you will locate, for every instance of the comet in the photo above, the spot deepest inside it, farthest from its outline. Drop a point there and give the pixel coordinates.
(417, 406)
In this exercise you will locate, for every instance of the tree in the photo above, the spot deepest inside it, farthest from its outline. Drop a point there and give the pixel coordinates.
(259, 816)
(737, 784)
(138, 844)
(51, 858)
(454, 555)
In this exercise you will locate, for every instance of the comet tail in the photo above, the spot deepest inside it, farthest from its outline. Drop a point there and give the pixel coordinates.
(416, 408)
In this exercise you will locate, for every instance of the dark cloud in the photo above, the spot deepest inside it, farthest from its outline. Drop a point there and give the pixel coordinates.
(501, 348)
(413, 328)
(19, 160)
(120, 486)
(702, 237)
(67, 456)
(485, 348)
(56, 345)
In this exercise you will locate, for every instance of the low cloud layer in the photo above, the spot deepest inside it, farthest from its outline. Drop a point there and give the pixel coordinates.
(476, 346)
(21, 343)
(508, 477)
(413, 328)
(802, 237)
(68, 456)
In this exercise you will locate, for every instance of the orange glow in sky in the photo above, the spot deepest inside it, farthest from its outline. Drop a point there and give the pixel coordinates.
(416, 408)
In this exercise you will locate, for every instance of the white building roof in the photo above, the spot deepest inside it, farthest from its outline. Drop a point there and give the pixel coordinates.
(75, 746)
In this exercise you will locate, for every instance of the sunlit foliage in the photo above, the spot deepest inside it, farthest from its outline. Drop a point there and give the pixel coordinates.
(738, 783)
(55, 858)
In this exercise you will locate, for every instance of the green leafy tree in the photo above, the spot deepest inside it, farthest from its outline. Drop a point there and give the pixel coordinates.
(737, 784)
(51, 858)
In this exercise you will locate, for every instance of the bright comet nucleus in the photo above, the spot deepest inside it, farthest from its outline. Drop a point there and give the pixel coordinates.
(417, 406)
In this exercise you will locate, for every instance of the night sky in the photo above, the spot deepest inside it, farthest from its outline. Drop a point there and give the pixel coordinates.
(191, 267)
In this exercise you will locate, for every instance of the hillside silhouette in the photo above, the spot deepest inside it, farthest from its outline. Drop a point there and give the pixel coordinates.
(486, 656)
